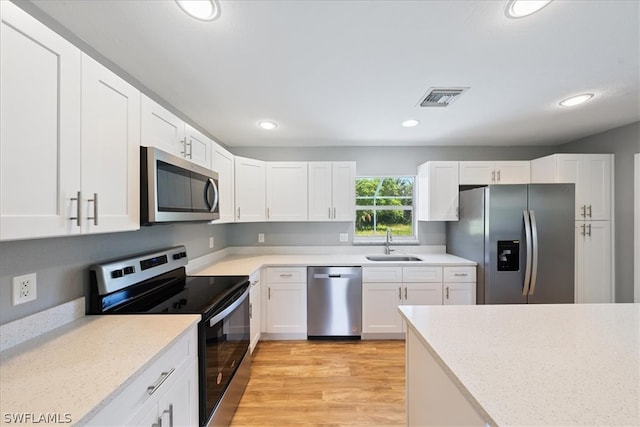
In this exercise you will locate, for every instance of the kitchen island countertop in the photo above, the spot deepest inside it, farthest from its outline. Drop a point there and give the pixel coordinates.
(573, 364)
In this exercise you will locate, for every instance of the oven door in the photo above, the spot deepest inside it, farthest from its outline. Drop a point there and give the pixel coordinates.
(224, 341)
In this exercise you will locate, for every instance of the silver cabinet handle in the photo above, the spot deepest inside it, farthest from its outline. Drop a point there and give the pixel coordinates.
(583, 208)
(250, 310)
(170, 412)
(583, 232)
(334, 213)
(269, 292)
(400, 293)
(589, 228)
(589, 208)
(286, 275)
(447, 292)
(190, 144)
(163, 377)
(329, 212)
(78, 216)
(268, 213)
(95, 209)
(460, 274)
(405, 293)
(238, 213)
(498, 176)
(493, 176)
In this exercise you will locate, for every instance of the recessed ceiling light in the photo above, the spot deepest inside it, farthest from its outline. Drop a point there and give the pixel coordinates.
(410, 123)
(575, 100)
(522, 8)
(205, 10)
(267, 125)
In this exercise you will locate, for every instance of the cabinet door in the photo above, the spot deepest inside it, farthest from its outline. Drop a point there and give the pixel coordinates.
(39, 128)
(343, 191)
(593, 262)
(110, 150)
(422, 293)
(287, 308)
(179, 406)
(198, 147)
(380, 303)
(320, 191)
(161, 128)
(438, 191)
(250, 189)
(459, 293)
(223, 163)
(598, 176)
(480, 173)
(512, 172)
(255, 301)
(287, 191)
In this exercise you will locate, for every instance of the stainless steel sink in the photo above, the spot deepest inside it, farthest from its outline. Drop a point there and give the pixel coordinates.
(392, 258)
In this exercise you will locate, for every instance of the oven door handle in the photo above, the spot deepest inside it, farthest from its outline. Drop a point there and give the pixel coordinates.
(227, 311)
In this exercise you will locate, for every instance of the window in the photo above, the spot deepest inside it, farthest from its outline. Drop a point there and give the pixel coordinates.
(382, 203)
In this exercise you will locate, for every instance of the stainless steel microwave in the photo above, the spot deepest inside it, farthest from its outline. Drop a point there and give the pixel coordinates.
(175, 190)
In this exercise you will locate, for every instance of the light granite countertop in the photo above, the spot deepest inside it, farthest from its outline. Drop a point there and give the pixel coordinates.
(247, 264)
(76, 369)
(543, 365)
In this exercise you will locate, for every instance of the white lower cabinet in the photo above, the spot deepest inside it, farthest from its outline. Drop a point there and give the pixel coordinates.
(164, 394)
(286, 302)
(593, 262)
(459, 287)
(255, 312)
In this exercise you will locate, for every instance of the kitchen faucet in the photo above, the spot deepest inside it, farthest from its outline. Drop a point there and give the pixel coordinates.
(387, 249)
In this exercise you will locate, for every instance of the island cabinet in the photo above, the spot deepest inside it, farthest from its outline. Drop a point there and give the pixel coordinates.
(165, 393)
(162, 129)
(332, 191)
(286, 302)
(75, 124)
(223, 163)
(498, 172)
(386, 288)
(255, 312)
(438, 191)
(250, 190)
(286, 192)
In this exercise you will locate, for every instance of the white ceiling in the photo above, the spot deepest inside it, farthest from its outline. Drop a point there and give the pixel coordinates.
(349, 72)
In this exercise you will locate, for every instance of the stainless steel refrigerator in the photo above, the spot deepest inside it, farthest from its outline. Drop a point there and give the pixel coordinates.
(522, 237)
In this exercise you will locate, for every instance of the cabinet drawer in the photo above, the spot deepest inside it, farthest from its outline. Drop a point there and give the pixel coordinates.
(422, 274)
(286, 274)
(382, 274)
(132, 398)
(459, 274)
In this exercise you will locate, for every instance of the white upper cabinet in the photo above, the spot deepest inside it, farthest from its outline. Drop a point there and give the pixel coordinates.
(164, 130)
(332, 191)
(591, 173)
(39, 127)
(495, 172)
(223, 163)
(110, 170)
(438, 191)
(286, 191)
(197, 147)
(250, 190)
(76, 125)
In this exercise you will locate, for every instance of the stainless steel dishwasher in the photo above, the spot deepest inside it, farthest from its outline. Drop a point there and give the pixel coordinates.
(334, 302)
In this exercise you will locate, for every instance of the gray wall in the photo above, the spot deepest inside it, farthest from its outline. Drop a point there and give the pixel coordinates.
(61, 263)
(623, 142)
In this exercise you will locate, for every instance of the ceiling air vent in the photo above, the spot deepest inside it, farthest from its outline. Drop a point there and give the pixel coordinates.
(441, 96)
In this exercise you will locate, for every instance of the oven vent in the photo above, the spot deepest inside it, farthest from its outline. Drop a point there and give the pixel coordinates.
(441, 97)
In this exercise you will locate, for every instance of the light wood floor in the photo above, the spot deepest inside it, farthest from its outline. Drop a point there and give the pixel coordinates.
(325, 383)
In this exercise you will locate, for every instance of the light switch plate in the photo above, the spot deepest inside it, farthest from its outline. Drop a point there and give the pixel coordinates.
(344, 237)
(211, 242)
(260, 237)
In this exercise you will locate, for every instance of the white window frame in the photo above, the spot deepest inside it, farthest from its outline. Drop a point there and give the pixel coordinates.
(413, 239)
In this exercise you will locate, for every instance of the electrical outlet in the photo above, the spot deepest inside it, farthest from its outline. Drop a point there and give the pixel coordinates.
(24, 288)
(344, 237)
(260, 237)
(211, 242)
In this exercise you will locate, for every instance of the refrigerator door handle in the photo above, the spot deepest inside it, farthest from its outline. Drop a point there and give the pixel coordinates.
(528, 241)
(534, 262)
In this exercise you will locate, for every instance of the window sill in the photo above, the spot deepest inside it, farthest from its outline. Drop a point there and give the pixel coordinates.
(395, 242)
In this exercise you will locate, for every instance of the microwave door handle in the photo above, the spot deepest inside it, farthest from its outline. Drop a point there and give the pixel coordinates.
(211, 183)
